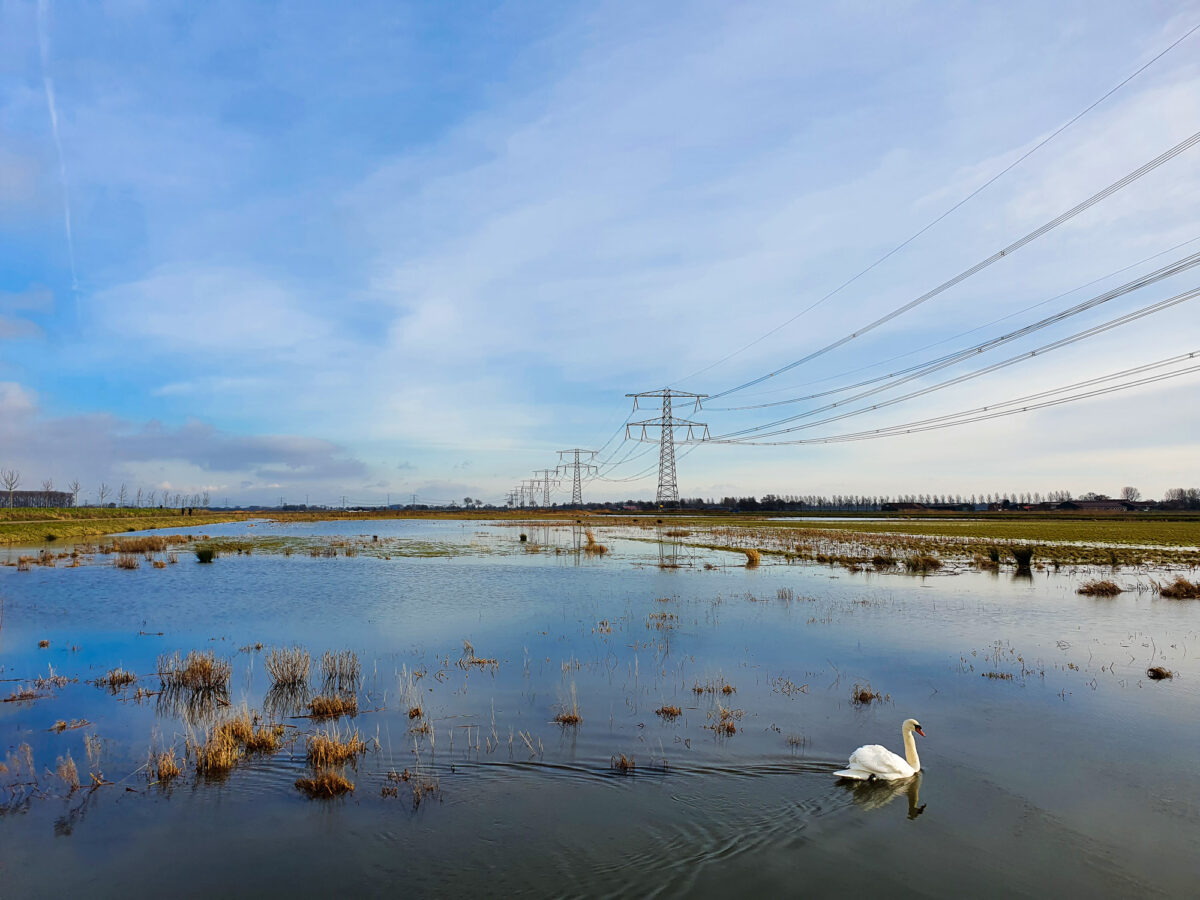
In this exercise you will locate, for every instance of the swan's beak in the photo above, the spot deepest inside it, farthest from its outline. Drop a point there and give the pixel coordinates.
(919, 731)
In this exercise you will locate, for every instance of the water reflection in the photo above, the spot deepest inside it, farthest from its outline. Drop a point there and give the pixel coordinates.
(878, 794)
(285, 700)
(196, 708)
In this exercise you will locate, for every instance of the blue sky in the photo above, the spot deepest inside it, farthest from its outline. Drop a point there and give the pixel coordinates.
(366, 249)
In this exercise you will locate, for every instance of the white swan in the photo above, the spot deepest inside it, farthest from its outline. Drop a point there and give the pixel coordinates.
(873, 761)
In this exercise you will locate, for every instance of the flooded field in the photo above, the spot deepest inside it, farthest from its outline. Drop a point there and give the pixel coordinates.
(541, 716)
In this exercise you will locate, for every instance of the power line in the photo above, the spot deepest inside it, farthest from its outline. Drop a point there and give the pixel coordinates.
(956, 206)
(1012, 360)
(916, 371)
(969, 331)
(1091, 201)
(995, 411)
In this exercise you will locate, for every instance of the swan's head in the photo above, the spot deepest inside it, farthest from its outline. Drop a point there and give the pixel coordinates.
(912, 725)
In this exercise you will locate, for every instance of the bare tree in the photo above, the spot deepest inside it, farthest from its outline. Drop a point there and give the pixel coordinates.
(11, 479)
(140, 491)
(205, 500)
(151, 497)
(73, 487)
(122, 496)
(103, 492)
(47, 490)
(1130, 493)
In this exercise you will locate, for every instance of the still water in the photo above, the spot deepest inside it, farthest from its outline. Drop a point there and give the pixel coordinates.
(1052, 764)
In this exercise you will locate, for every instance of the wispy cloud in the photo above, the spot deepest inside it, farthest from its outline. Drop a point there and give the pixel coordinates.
(43, 14)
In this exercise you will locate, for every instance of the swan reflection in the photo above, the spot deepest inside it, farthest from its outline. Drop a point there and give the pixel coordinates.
(879, 793)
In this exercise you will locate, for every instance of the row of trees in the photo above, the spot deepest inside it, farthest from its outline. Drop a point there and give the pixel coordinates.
(122, 497)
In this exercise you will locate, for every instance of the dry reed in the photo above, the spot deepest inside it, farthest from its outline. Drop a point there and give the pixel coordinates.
(325, 785)
(333, 706)
(287, 665)
(196, 672)
(330, 748)
(1099, 588)
(1180, 589)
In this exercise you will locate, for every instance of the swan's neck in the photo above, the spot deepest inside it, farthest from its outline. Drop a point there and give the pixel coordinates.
(910, 751)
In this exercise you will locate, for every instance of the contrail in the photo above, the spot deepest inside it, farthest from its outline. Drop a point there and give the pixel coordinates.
(44, 45)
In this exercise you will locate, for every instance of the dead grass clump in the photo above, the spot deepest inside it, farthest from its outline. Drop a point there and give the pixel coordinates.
(159, 564)
(997, 676)
(1158, 673)
(1180, 589)
(415, 712)
(325, 785)
(52, 680)
(26, 563)
(218, 754)
(678, 533)
(662, 621)
(921, 563)
(880, 561)
(330, 748)
(333, 706)
(469, 658)
(1023, 556)
(288, 665)
(196, 672)
(341, 670)
(62, 725)
(726, 720)
(623, 764)
(569, 715)
(1099, 588)
(65, 769)
(22, 694)
(669, 712)
(163, 767)
(753, 557)
(786, 594)
(43, 644)
(116, 679)
(862, 695)
(126, 561)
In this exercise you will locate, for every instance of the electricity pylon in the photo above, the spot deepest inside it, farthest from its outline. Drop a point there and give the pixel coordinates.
(544, 482)
(579, 464)
(668, 489)
(530, 486)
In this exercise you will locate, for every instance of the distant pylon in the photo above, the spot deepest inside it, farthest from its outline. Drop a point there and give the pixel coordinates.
(668, 488)
(530, 492)
(545, 482)
(580, 463)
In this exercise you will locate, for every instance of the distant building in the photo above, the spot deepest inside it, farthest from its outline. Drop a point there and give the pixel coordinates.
(1097, 505)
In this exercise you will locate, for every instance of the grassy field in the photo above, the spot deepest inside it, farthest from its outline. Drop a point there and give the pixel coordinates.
(38, 526)
(1127, 531)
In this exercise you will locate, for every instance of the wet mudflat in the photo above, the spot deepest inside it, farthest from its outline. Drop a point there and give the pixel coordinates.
(1053, 763)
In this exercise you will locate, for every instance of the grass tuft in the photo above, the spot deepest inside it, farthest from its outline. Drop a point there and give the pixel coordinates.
(669, 712)
(330, 748)
(333, 706)
(325, 785)
(1099, 587)
(197, 672)
(753, 557)
(288, 666)
(1180, 589)
(863, 695)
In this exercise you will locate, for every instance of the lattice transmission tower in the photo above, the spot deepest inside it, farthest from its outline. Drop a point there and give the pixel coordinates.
(668, 488)
(547, 480)
(580, 464)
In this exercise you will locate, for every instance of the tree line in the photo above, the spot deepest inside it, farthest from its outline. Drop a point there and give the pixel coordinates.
(121, 497)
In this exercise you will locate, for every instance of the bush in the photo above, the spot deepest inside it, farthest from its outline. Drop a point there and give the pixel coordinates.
(206, 555)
